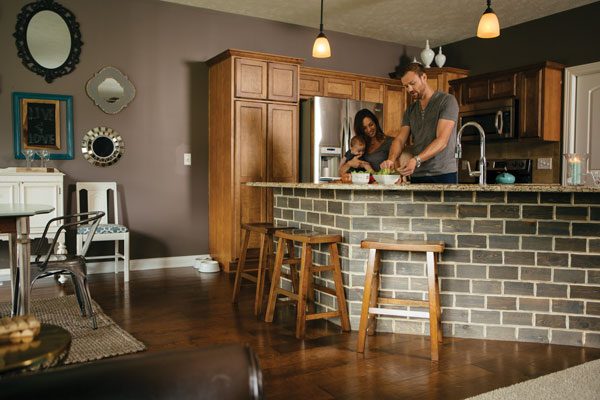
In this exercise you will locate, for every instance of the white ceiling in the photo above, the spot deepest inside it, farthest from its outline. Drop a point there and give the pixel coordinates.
(408, 22)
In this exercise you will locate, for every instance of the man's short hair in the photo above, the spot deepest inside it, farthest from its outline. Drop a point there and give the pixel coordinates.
(357, 140)
(415, 67)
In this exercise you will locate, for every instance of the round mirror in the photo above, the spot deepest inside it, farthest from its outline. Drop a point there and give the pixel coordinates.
(102, 146)
(48, 39)
(110, 90)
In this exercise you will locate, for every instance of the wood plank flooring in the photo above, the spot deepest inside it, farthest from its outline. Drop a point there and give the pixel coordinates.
(181, 308)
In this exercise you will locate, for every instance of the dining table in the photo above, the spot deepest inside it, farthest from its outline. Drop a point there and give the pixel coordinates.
(14, 221)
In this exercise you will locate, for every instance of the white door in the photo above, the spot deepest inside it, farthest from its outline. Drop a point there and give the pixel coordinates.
(41, 193)
(9, 192)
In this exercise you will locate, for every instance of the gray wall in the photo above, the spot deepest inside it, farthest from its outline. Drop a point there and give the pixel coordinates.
(570, 38)
(161, 48)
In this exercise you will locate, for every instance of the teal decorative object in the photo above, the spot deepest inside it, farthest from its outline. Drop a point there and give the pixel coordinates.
(505, 178)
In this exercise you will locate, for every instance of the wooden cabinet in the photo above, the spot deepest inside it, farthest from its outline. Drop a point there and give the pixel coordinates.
(439, 78)
(372, 91)
(253, 136)
(393, 109)
(34, 188)
(340, 87)
(311, 85)
(537, 90)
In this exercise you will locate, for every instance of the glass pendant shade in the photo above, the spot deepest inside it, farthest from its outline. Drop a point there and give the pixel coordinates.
(489, 27)
(321, 47)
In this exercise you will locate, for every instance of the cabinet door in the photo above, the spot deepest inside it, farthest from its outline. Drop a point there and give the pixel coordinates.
(311, 85)
(42, 193)
(373, 92)
(250, 149)
(9, 192)
(394, 105)
(283, 82)
(339, 87)
(530, 104)
(250, 78)
(475, 91)
(503, 86)
(282, 139)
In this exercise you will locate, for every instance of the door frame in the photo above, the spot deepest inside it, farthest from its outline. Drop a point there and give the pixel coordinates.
(570, 96)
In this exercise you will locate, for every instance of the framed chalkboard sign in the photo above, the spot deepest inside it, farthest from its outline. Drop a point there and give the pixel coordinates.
(43, 122)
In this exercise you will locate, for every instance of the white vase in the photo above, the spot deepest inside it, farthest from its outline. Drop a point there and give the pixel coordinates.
(427, 55)
(440, 59)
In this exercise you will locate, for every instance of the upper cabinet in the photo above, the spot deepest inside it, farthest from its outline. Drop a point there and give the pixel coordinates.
(439, 78)
(537, 90)
(265, 80)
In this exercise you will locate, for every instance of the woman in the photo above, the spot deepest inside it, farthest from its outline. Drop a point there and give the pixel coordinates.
(377, 145)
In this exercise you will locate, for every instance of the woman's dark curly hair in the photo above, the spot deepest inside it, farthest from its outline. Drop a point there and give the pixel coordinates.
(358, 126)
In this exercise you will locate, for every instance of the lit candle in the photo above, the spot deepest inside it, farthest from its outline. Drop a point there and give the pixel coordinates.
(575, 167)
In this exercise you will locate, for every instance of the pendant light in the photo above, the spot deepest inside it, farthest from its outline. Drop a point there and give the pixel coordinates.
(489, 27)
(321, 47)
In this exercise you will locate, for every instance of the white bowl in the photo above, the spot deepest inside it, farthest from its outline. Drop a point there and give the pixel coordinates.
(387, 179)
(360, 177)
(206, 265)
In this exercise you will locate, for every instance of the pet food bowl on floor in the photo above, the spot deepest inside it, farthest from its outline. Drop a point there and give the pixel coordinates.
(206, 265)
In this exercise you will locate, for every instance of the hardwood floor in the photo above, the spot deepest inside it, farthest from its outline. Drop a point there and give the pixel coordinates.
(180, 308)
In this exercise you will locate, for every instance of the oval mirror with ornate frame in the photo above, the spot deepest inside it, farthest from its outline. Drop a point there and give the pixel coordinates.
(102, 146)
(48, 39)
(110, 90)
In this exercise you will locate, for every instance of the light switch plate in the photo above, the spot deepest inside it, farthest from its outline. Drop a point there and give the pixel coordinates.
(187, 159)
(544, 163)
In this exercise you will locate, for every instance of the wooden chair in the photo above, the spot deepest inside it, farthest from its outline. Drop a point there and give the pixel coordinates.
(98, 198)
(265, 230)
(371, 297)
(305, 286)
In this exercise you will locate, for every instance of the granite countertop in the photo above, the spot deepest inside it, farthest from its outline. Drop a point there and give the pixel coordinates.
(523, 187)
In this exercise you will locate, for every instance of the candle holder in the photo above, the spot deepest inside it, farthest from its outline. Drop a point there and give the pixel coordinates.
(576, 168)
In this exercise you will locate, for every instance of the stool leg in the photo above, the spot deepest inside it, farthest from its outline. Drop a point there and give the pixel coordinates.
(293, 267)
(367, 293)
(275, 282)
(339, 286)
(372, 322)
(260, 277)
(305, 275)
(241, 266)
(434, 306)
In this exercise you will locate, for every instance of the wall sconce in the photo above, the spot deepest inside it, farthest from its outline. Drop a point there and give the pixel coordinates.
(321, 48)
(489, 27)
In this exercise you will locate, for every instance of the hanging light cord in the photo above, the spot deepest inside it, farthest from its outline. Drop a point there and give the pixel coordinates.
(321, 26)
(489, 7)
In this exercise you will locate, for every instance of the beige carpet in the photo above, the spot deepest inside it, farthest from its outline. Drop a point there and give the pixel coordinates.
(87, 344)
(581, 382)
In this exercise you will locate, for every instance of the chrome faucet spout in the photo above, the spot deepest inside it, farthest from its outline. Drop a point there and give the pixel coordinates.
(482, 161)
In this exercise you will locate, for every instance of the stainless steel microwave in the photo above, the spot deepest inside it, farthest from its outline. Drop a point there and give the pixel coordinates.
(496, 117)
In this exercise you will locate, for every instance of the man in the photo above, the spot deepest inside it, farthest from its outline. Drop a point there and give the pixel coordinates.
(431, 120)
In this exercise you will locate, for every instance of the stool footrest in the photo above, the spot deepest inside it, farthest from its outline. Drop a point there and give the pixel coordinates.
(249, 277)
(291, 261)
(329, 314)
(321, 268)
(402, 302)
(287, 293)
(324, 289)
(398, 313)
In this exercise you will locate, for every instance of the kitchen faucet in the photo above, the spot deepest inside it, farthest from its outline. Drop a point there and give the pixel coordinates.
(482, 161)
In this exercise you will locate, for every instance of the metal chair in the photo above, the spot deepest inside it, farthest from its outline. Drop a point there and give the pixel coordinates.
(47, 262)
(98, 198)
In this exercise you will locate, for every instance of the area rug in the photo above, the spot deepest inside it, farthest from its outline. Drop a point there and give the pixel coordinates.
(87, 344)
(580, 382)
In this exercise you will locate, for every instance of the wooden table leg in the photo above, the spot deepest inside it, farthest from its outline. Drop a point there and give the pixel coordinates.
(23, 256)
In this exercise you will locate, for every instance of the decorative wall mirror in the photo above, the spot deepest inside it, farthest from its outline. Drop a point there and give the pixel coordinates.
(110, 90)
(102, 146)
(48, 39)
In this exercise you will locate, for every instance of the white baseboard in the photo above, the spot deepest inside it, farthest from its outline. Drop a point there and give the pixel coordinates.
(134, 265)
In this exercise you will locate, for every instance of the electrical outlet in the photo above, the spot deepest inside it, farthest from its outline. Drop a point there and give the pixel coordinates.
(544, 163)
(187, 158)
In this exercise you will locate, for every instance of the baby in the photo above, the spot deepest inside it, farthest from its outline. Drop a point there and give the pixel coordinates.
(357, 150)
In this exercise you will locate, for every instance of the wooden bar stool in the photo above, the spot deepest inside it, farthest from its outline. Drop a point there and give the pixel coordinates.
(308, 239)
(371, 292)
(265, 230)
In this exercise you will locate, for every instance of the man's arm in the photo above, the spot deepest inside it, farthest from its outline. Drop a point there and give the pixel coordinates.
(396, 147)
(442, 137)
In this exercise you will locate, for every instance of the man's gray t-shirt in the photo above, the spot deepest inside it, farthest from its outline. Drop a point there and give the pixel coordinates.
(423, 126)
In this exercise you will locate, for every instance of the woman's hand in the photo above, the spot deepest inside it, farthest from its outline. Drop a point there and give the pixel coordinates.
(387, 164)
(367, 166)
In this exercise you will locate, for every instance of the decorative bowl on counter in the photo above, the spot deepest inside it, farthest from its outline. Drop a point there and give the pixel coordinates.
(387, 179)
(360, 177)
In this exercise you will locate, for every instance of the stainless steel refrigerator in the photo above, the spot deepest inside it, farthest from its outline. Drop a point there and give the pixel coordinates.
(326, 126)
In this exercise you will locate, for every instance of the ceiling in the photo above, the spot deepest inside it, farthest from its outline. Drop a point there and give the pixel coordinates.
(408, 22)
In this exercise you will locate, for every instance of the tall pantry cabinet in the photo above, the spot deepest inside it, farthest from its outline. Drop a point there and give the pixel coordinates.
(253, 136)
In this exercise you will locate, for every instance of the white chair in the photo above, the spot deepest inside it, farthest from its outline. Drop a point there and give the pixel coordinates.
(98, 195)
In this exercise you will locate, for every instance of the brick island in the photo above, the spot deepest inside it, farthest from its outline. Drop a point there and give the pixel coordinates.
(522, 262)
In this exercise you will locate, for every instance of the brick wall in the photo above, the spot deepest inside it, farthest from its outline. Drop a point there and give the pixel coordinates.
(518, 265)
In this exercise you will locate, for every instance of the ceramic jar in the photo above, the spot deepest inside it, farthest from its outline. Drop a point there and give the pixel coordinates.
(427, 55)
(440, 59)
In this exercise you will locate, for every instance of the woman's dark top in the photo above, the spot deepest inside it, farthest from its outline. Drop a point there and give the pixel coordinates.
(380, 155)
